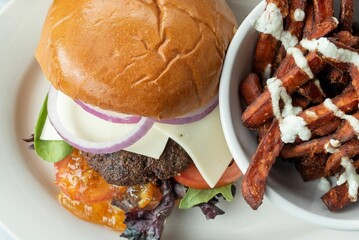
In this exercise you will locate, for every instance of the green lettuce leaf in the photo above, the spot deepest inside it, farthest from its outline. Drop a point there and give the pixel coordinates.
(194, 197)
(51, 151)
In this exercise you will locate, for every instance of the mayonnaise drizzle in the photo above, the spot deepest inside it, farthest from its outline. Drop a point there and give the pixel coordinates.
(332, 146)
(301, 61)
(328, 49)
(317, 83)
(324, 184)
(340, 114)
(271, 22)
(350, 177)
(267, 72)
(290, 124)
(299, 15)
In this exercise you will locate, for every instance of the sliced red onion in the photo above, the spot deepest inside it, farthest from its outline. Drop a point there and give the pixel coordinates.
(125, 141)
(195, 115)
(108, 115)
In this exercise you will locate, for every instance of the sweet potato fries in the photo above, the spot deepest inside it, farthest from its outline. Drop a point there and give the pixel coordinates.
(312, 64)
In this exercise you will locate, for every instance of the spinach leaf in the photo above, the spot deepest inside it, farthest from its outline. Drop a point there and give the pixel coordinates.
(51, 151)
(194, 197)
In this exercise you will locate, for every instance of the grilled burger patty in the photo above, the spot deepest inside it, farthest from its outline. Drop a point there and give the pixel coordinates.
(128, 169)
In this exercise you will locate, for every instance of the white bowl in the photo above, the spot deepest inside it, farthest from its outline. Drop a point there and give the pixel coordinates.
(285, 188)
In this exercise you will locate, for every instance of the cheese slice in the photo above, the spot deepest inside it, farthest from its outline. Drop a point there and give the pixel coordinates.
(205, 144)
(202, 140)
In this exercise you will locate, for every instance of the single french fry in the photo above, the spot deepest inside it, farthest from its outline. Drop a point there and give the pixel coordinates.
(346, 16)
(255, 179)
(326, 129)
(349, 149)
(325, 27)
(260, 111)
(292, 25)
(264, 54)
(354, 73)
(305, 149)
(311, 167)
(250, 88)
(312, 92)
(263, 130)
(346, 102)
(322, 10)
(309, 23)
(337, 197)
(347, 38)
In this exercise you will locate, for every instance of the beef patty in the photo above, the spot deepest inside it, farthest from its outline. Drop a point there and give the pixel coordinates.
(128, 169)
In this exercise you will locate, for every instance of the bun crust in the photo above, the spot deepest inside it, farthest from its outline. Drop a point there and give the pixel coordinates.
(158, 59)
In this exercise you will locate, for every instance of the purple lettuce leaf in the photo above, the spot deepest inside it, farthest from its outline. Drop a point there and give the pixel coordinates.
(148, 225)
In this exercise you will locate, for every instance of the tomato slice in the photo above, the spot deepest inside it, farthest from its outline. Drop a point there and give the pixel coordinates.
(192, 178)
(80, 182)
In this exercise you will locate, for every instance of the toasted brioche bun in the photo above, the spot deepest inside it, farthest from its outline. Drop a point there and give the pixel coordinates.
(158, 59)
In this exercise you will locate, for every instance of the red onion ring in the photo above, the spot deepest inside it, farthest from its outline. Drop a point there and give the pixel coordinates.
(108, 115)
(144, 125)
(194, 116)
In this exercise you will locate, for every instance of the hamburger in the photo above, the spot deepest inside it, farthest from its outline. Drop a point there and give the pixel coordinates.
(131, 118)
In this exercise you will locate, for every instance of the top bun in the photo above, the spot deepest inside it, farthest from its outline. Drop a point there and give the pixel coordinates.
(158, 59)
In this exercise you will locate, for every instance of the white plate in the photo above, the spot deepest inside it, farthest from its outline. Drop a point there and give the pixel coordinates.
(28, 203)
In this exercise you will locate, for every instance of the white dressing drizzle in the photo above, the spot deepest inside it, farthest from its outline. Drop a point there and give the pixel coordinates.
(328, 49)
(267, 72)
(340, 114)
(299, 15)
(317, 83)
(351, 177)
(332, 145)
(324, 184)
(290, 124)
(311, 114)
(271, 22)
(301, 61)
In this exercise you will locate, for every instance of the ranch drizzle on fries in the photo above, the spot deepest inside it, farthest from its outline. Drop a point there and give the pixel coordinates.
(330, 123)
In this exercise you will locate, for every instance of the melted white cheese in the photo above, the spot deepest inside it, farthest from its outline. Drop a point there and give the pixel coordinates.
(301, 61)
(332, 146)
(290, 124)
(340, 114)
(350, 177)
(271, 22)
(203, 140)
(328, 49)
(299, 15)
(205, 144)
